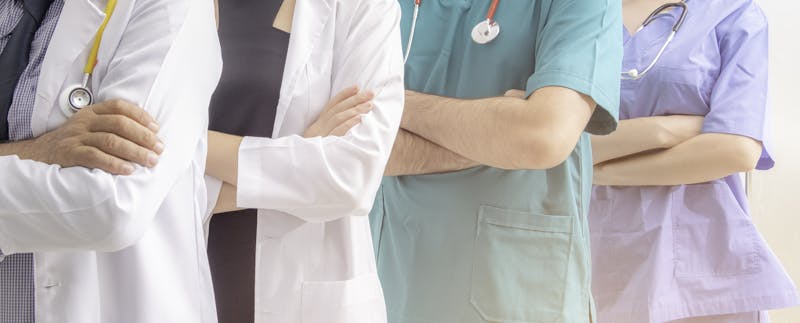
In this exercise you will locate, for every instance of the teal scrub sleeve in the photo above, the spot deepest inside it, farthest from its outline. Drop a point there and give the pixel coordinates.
(579, 46)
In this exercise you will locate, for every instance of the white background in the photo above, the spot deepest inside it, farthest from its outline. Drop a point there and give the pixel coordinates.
(775, 194)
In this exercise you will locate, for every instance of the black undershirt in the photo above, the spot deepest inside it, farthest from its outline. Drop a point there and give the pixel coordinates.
(244, 104)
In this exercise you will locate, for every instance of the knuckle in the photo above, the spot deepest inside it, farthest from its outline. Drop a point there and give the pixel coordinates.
(109, 142)
(117, 104)
(149, 138)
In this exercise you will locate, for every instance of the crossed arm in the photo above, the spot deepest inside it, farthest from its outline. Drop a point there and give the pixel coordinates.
(669, 150)
(440, 134)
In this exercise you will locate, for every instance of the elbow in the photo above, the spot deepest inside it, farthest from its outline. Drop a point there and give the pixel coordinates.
(745, 153)
(120, 228)
(540, 152)
(359, 202)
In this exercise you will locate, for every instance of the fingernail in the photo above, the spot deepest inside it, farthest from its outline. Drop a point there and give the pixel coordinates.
(127, 168)
(159, 147)
(152, 159)
(153, 126)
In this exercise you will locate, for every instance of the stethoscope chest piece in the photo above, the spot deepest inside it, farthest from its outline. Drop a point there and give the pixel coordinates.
(485, 31)
(75, 98)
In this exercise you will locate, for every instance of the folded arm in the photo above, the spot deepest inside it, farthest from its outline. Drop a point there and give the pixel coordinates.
(703, 158)
(414, 155)
(634, 136)
(504, 132)
(324, 178)
(48, 208)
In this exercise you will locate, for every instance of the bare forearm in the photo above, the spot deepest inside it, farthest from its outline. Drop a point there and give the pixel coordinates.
(634, 136)
(504, 132)
(226, 202)
(414, 155)
(223, 156)
(13, 148)
(701, 159)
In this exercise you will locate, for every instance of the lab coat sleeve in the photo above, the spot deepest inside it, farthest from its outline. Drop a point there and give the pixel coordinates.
(321, 179)
(167, 61)
(738, 103)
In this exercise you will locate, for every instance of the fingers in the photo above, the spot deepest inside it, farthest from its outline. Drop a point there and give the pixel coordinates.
(120, 148)
(515, 94)
(91, 157)
(128, 129)
(352, 102)
(127, 109)
(341, 96)
(343, 128)
(352, 112)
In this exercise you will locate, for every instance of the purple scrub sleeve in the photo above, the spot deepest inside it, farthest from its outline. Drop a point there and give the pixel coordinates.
(739, 96)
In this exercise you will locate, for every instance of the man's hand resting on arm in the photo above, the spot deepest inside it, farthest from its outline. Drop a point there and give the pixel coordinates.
(109, 136)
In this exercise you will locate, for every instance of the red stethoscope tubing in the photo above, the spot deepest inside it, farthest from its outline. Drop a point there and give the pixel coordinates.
(418, 3)
(492, 10)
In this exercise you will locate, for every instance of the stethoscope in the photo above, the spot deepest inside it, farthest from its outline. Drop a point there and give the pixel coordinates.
(79, 96)
(634, 74)
(483, 33)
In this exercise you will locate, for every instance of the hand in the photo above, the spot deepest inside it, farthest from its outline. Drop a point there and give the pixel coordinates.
(341, 114)
(108, 136)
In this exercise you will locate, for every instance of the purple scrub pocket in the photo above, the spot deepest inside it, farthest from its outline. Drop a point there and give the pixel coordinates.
(713, 235)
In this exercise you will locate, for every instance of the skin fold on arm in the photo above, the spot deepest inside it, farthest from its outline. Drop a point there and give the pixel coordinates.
(508, 132)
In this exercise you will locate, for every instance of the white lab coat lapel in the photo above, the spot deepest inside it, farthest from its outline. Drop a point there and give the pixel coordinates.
(75, 31)
(310, 17)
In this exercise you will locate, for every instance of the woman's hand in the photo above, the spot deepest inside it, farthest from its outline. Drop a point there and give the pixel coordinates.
(341, 114)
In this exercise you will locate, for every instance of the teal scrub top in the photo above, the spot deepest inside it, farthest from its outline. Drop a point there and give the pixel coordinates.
(486, 244)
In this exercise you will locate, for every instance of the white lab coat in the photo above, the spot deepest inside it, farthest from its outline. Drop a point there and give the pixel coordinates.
(121, 248)
(315, 261)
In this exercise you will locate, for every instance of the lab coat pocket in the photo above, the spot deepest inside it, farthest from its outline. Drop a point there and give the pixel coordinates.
(520, 265)
(358, 300)
(713, 235)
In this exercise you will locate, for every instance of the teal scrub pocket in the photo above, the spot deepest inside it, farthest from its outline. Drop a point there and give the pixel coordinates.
(520, 266)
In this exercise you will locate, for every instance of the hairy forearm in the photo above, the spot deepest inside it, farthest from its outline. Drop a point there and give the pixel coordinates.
(13, 148)
(414, 155)
(700, 159)
(634, 136)
(504, 132)
(223, 156)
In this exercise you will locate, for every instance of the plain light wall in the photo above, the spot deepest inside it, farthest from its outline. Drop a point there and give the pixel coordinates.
(774, 194)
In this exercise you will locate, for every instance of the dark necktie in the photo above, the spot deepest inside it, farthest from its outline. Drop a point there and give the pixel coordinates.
(15, 55)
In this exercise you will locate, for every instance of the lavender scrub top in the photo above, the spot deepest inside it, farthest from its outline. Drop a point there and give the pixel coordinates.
(662, 253)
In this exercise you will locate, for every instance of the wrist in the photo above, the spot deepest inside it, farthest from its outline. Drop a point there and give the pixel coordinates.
(21, 149)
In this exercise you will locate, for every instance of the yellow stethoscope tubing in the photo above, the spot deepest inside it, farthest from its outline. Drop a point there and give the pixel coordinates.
(91, 62)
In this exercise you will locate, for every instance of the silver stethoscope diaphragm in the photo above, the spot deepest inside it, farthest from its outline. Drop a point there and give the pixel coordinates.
(77, 97)
(81, 96)
(483, 33)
